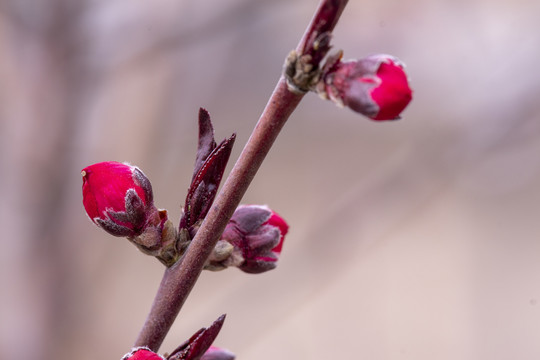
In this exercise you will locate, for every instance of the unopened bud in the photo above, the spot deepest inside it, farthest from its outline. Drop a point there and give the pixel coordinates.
(257, 234)
(142, 353)
(376, 86)
(117, 197)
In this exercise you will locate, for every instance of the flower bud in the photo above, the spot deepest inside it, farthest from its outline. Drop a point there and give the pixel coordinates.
(256, 234)
(142, 353)
(375, 86)
(117, 197)
(216, 353)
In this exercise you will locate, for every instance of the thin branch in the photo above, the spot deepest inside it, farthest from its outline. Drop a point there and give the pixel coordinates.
(179, 279)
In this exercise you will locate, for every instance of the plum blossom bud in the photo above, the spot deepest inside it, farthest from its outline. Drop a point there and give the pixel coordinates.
(142, 353)
(376, 86)
(216, 353)
(256, 234)
(117, 197)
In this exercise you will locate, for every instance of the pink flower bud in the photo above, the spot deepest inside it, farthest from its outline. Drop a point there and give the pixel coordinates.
(142, 353)
(375, 86)
(257, 234)
(117, 197)
(216, 353)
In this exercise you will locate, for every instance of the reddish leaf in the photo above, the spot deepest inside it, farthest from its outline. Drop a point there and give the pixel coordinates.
(205, 183)
(207, 143)
(196, 346)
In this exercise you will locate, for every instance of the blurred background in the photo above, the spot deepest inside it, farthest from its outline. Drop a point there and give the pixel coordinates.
(416, 239)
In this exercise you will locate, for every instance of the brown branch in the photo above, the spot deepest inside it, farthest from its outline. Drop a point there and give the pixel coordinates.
(179, 279)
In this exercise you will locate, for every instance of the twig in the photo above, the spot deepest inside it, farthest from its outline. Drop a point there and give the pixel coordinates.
(179, 279)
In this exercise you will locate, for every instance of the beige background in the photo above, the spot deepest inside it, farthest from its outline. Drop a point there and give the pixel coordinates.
(416, 239)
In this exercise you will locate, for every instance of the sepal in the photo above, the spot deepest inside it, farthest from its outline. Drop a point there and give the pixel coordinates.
(216, 353)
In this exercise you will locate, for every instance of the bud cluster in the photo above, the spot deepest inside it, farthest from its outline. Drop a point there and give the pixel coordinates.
(118, 198)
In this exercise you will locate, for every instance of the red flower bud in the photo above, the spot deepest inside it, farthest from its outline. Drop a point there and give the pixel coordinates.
(257, 234)
(375, 86)
(142, 353)
(117, 197)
